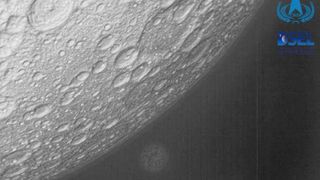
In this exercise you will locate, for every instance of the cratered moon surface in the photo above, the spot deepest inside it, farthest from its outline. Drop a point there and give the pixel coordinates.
(78, 77)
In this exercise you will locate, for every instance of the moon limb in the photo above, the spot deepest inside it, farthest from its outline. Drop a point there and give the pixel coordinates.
(65, 101)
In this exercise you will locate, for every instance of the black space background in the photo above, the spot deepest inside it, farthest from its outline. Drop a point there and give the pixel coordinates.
(255, 116)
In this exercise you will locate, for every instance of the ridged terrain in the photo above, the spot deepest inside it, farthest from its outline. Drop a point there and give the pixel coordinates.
(79, 77)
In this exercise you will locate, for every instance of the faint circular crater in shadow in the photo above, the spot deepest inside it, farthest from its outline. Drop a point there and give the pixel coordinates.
(154, 158)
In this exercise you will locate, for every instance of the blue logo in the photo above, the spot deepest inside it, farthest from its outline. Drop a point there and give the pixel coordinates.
(295, 39)
(295, 43)
(296, 11)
